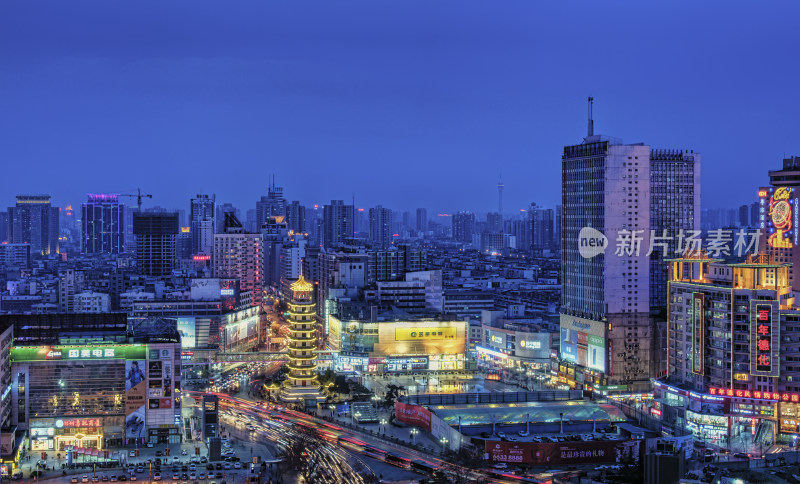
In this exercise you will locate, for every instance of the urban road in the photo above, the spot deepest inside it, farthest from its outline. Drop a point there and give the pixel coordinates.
(277, 417)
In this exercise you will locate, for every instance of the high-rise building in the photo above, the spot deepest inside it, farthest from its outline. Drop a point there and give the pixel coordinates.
(15, 255)
(156, 235)
(463, 226)
(779, 206)
(494, 222)
(557, 227)
(422, 220)
(237, 255)
(302, 385)
(360, 221)
(274, 235)
(613, 192)
(202, 212)
(744, 215)
(753, 215)
(70, 283)
(219, 222)
(296, 217)
(380, 227)
(3, 227)
(542, 225)
(103, 225)
(273, 205)
(338, 223)
(393, 263)
(33, 221)
(674, 208)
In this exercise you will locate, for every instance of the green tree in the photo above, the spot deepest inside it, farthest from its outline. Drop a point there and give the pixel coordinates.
(392, 392)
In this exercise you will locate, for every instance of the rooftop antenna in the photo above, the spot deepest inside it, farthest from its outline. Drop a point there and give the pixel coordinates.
(591, 121)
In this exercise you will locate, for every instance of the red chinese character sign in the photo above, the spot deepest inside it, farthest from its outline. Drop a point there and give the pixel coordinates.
(762, 339)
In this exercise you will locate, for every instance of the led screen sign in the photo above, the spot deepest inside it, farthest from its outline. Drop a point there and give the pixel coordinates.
(48, 353)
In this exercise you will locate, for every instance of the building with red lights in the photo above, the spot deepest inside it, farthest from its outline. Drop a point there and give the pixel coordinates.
(733, 358)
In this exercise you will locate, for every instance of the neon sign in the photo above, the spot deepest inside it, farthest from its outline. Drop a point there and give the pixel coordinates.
(763, 338)
(79, 422)
(782, 216)
(756, 395)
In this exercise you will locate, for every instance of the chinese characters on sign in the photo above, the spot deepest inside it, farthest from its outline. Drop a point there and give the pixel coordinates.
(91, 353)
(80, 422)
(782, 397)
(763, 339)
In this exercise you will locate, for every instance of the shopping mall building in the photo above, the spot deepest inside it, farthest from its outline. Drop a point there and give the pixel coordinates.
(367, 339)
(733, 352)
(95, 381)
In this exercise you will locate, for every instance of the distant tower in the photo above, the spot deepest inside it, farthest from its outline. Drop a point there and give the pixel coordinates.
(500, 187)
(590, 127)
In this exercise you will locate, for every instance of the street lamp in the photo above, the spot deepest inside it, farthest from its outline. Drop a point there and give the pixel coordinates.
(444, 441)
(414, 431)
(383, 422)
(375, 399)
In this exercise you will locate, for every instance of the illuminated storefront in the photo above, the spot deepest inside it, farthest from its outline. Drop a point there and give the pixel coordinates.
(96, 396)
(722, 414)
(399, 346)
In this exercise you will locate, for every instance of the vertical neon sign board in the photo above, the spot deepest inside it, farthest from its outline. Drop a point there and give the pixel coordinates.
(763, 340)
(698, 332)
(764, 337)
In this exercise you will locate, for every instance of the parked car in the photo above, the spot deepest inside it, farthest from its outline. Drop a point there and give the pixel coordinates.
(523, 433)
(501, 465)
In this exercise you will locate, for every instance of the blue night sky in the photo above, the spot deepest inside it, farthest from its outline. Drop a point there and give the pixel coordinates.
(404, 103)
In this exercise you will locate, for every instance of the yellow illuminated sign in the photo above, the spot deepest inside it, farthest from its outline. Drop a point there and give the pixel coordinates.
(762, 193)
(782, 193)
(424, 334)
(741, 376)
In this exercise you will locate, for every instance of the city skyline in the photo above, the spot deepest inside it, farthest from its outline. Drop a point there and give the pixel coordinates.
(329, 93)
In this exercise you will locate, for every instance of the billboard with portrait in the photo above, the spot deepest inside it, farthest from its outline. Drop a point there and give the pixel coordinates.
(135, 390)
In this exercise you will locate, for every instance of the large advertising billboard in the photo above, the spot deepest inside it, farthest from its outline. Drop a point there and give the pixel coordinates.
(397, 338)
(533, 345)
(596, 353)
(778, 216)
(240, 327)
(416, 415)
(583, 342)
(67, 352)
(187, 330)
(563, 453)
(135, 389)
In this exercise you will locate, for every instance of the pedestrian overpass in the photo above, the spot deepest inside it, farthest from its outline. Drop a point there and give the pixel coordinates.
(250, 357)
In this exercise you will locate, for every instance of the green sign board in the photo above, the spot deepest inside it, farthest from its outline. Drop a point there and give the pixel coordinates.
(78, 352)
(598, 341)
(612, 388)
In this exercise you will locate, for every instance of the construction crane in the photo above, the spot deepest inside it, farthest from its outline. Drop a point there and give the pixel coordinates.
(138, 195)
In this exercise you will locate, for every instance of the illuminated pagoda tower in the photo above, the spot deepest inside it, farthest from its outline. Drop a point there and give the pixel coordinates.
(302, 386)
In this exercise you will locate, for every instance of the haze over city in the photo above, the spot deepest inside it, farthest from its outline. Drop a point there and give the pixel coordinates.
(335, 98)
